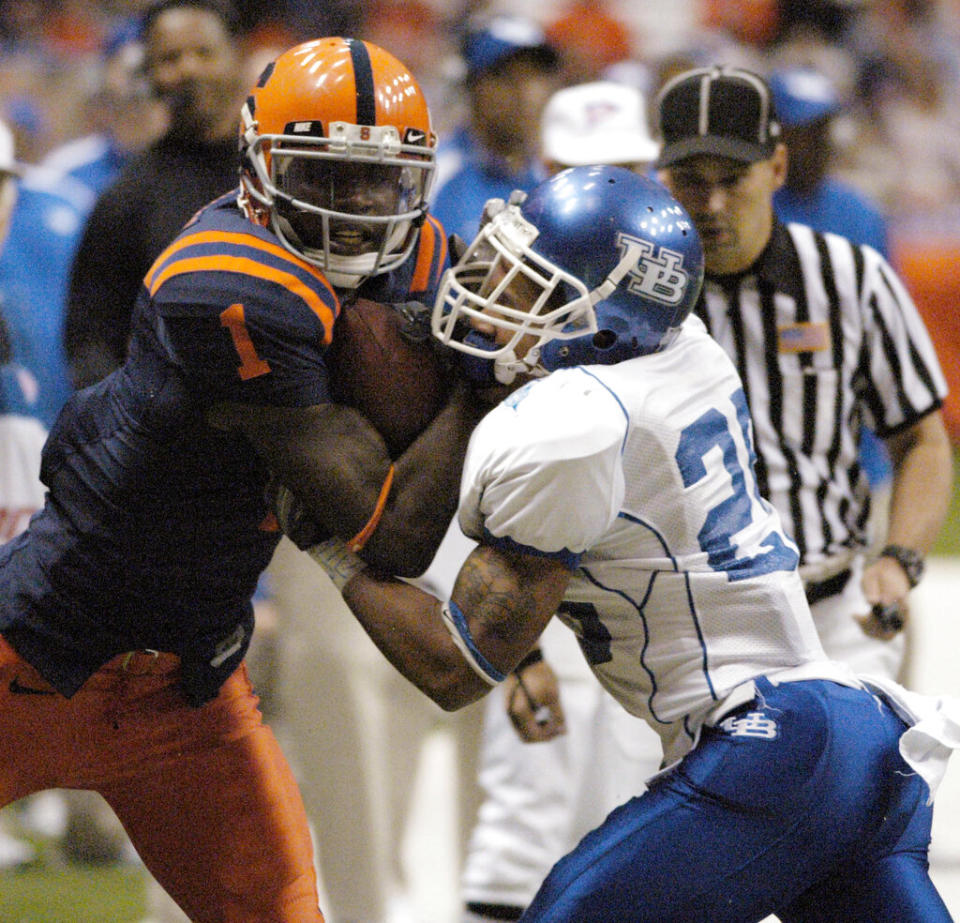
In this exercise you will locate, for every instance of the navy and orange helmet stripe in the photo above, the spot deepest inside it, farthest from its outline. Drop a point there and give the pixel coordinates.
(363, 80)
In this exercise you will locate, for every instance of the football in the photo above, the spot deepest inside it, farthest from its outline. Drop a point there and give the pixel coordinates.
(398, 385)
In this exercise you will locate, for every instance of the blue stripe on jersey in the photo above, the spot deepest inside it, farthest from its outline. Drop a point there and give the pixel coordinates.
(703, 643)
(646, 634)
(656, 533)
(222, 258)
(218, 244)
(614, 395)
(569, 559)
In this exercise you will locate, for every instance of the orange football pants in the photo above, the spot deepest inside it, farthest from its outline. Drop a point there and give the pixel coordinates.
(205, 794)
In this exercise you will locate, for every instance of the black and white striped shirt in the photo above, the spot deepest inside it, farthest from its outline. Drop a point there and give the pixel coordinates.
(826, 339)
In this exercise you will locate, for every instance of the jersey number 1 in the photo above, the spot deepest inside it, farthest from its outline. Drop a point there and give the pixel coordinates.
(251, 365)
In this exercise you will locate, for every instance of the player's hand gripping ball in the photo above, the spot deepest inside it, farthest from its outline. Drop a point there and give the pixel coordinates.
(382, 363)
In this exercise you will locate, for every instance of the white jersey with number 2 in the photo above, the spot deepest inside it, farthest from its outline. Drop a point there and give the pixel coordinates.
(641, 473)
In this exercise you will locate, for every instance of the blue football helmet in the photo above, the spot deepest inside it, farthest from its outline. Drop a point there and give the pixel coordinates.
(615, 259)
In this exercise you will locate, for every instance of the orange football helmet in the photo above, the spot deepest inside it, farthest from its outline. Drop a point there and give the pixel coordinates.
(337, 153)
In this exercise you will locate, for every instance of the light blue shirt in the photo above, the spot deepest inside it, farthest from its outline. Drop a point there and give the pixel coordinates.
(838, 207)
(35, 266)
(467, 177)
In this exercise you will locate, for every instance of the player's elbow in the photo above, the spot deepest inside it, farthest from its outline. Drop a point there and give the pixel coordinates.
(451, 702)
(402, 556)
(454, 690)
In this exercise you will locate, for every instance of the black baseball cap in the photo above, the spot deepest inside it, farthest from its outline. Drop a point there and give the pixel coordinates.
(724, 111)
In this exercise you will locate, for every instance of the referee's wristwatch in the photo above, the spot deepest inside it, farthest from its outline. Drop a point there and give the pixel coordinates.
(911, 561)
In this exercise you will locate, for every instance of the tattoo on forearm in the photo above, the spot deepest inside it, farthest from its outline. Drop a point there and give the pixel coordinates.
(492, 593)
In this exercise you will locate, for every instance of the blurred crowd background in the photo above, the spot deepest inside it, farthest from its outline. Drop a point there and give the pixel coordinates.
(68, 70)
(896, 63)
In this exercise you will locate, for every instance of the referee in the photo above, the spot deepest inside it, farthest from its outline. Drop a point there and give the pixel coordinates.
(826, 340)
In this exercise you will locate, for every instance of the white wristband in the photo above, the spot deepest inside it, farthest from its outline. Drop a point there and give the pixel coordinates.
(340, 563)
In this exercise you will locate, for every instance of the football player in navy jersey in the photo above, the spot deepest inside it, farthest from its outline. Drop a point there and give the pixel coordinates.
(125, 608)
(615, 486)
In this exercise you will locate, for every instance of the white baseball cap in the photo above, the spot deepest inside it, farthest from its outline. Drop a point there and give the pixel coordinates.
(599, 122)
(8, 163)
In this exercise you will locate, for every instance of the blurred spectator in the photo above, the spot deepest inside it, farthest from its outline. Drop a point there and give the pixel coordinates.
(807, 104)
(415, 31)
(21, 439)
(193, 62)
(511, 70)
(122, 112)
(34, 277)
(755, 22)
(75, 27)
(909, 82)
(597, 122)
(47, 48)
(589, 39)
(815, 35)
(21, 433)
(28, 70)
(310, 19)
(43, 230)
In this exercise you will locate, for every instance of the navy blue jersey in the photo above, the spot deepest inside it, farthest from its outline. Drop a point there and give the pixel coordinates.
(155, 528)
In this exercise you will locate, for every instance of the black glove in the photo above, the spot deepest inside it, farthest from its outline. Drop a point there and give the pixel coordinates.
(292, 516)
(416, 321)
(890, 617)
(417, 329)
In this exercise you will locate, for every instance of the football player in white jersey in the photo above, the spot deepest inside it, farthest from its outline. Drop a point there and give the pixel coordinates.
(615, 485)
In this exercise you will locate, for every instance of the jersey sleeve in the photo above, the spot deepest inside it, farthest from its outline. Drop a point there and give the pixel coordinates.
(903, 376)
(246, 320)
(432, 258)
(543, 472)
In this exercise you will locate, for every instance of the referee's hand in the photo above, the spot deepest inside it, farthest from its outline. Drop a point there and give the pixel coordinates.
(886, 587)
(533, 703)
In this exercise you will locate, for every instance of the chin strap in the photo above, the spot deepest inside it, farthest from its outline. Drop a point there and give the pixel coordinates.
(508, 366)
(504, 368)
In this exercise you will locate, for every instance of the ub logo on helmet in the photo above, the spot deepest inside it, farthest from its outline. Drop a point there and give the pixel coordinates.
(659, 274)
(615, 260)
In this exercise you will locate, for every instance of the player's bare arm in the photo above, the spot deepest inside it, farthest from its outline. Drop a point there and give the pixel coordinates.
(505, 600)
(337, 465)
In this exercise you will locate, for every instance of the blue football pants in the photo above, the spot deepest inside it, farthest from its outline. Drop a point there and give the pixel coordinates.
(797, 804)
